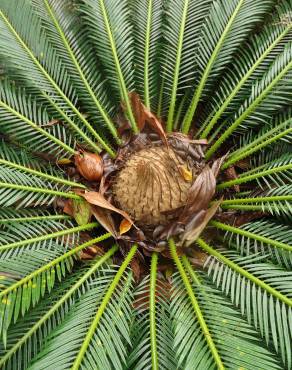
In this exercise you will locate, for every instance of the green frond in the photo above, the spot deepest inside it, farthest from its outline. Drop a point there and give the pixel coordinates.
(114, 308)
(277, 132)
(23, 120)
(71, 40)
(275, 201)
(237, 341)
(112, 34)
(152, 336)
(32, 58)
(29, 276)
(182, 23)
(205, 338)
(38, 235)
(28, 336)
(267, 96)
(225, 28)
(253, 60)
(30, 190)
(273, 174)
(262, 291)
(252, 242)
(147, 19)
(9, 215)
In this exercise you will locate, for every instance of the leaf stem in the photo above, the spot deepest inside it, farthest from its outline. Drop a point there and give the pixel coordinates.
(125, 95)
(146, 55)
(56, 306)
(244, 272)
(152, 308)
(196, 98)
(228, 100)
(60, 143)
(57, 234)
(169, 124)
(103, 113)
(248, 234)
(196, 306)
(42, 174)
(275, 198)
(243, 179)
(53, 263)
(34, 218)
(102, 308)
(39, 190)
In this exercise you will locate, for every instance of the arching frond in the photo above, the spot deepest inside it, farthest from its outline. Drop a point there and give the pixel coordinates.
(252, 61)
(262, 291)
(267, 97)
(27, 337)
(23, 120)
(152, 346)
(225, 28)
(66, 32)
(111, 33)
(236, 340)
(183, 21)
(147, 18)
(252, 241)
(33, 59)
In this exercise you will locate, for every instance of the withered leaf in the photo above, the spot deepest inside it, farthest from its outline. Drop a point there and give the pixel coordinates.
(81, 211)
(125, 226)
(68, 207)
(200, 194)
(99, 200)
(143, 115)
(89, 165)
(104, 217)
(186, 173)
(193, 230)
(64, 161)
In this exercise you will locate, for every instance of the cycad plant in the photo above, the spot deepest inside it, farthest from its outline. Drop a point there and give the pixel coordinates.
(145, 184)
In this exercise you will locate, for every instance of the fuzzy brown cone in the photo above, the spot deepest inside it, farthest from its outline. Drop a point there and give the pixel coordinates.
(151, 185)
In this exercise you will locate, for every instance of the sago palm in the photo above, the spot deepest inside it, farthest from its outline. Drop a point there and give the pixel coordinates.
(145, 184)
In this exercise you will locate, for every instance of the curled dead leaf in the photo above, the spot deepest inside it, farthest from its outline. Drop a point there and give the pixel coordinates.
(89, 165)
(125, 226)
(186, 173)
(143, 115)
(64, 161)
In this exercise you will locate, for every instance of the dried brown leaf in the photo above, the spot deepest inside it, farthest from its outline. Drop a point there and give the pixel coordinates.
(192, 233)
(143, 116)
(89, 165)
(125, 226)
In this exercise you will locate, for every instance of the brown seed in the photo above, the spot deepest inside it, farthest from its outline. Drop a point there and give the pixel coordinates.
(89, 165)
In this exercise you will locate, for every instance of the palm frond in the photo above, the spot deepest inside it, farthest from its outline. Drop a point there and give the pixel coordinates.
(33, 59)
(251, 241)
(147, 18)
(15, 240)
(238, 343)
(183, 21)
(277, 132)
(66, 32)
(111, 33)
(27, 337)
(23, 120)
(275, 201)
(261, 290)
(152, 336)
(226, 27)
(267, 97)
(206, 346)
(252, 61)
